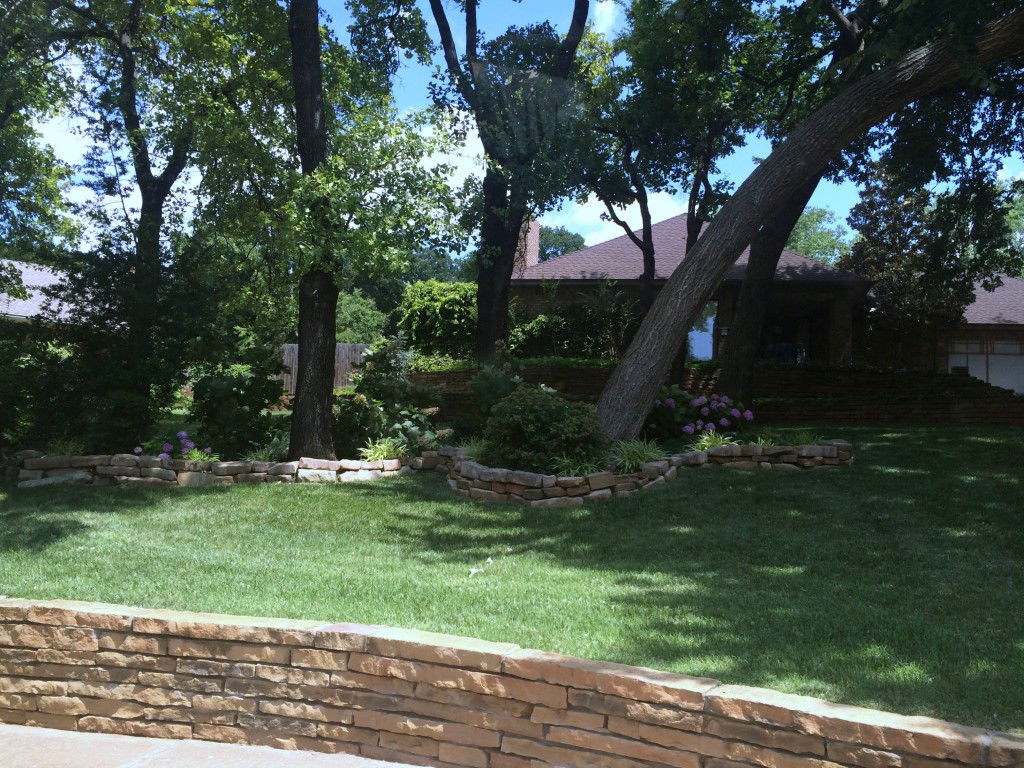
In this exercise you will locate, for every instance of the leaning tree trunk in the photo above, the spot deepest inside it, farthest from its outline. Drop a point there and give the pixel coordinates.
(736, 378)
(634, 384)
(318, 295)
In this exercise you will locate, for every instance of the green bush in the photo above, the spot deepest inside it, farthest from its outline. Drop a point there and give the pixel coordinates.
(533, 428)
(439, 318)
(230, 400)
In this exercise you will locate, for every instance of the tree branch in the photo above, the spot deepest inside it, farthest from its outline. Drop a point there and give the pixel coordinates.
(567, 51)
(451, 53)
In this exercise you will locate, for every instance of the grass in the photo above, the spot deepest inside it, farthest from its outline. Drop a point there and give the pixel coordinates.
(897, 583)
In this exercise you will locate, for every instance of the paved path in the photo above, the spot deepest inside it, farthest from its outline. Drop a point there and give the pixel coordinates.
(24, 747)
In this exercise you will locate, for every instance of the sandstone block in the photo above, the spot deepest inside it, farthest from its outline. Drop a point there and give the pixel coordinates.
(124, 460)
(332, 466)
(533, 494)
(60, 722)
(571, 482)
(776, 450)
(600, 480)
(604, 493)
(284, 468)
(620, 680)
(526, 479)
(150, 462)
(555, 492)
(135, 728)
(391, 465)
(252, 477)
(493, 474)
(81, 614)
(317, 476)
(196, 478)
(623, 747)
(161, 474)
(79, 477)
(438, 648)
(30, 474)
(456, 754)
(582, 490)
(336, 660)
(654, 469)
(693, 458)
(41, 636)
(48, 462)
(741, 464)
(230, 467)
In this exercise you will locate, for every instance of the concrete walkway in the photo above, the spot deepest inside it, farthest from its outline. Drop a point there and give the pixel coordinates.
(24, 747)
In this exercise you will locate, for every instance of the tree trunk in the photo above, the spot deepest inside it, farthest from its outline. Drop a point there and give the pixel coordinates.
(318, 295)
(314, 388)
(499, 243)
(634, 384)
(755, 295)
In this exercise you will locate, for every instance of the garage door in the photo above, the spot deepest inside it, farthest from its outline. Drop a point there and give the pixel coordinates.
(1000, 363)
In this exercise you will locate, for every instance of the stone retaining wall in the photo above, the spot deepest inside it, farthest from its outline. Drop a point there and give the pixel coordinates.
(125, 468)
(430, 699)
(475, 481)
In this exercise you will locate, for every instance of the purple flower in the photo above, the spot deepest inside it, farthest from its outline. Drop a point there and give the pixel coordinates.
(137, 450)
(725, 399)
(699, 423)
(710, 427)
(724, 422)
(167, 448)
(657, 403)
(735, 413)
(210, 450)
(688, 429)
(748, 415)
(164, 456)
(669, 402)
(182, 435)
(187, 445)
(695, 403)
(714, 397)
(705, 411)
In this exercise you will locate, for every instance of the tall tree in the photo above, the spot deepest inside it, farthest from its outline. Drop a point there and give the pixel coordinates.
(318, 294)
(517, 89)
(925, 255)
(555, 241)
(793, 163)
(818, 234)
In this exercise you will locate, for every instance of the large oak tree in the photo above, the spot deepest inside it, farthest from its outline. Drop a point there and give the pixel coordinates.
(793, 163)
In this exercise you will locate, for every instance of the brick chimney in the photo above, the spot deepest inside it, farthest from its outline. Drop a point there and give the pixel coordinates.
(528, 254)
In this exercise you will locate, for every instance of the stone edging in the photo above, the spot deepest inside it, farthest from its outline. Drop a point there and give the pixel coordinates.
(127, 468)
(430, 699)
(475, 481)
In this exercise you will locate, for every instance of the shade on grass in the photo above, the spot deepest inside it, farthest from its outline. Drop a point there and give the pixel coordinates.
(897, 583)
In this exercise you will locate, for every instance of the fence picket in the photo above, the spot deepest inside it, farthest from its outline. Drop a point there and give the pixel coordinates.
(346, 357)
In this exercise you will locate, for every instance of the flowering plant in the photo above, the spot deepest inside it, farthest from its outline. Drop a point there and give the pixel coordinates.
(678, 414)
(186, 448)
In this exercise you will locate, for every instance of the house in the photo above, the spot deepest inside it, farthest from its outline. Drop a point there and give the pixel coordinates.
(990, 343)
(813, 313)
(810, 318)
(35, 278)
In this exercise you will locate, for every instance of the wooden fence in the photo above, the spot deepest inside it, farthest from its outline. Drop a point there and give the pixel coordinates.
(346, 356)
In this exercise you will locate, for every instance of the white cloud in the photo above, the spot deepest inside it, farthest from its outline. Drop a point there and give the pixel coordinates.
(585, 218)
(606, 17)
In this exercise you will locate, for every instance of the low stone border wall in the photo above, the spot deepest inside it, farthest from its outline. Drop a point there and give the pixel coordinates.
(430, 699)
(125, 468)
(473, 480)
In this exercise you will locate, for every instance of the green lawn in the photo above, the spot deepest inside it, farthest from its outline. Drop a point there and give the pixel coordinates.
(897, 583)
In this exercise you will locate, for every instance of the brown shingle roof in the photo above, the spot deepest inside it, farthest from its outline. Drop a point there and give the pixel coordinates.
(620, 259)
(1003, 306)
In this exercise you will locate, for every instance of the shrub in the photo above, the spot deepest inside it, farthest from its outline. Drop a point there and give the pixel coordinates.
(631, 455)
(439, 318)
(532, 427)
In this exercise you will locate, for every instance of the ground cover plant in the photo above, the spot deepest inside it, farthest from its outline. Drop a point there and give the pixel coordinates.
(897, 583)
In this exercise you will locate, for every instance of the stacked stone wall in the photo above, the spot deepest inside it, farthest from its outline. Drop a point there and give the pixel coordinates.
(37, 470)
(430, 699)
(475, 481)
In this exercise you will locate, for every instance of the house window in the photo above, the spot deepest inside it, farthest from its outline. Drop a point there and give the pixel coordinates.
(701, 339)
(1006, 348)
(998, 362)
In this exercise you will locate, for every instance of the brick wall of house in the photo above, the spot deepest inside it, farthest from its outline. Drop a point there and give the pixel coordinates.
(429, 699)
(795, 395)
